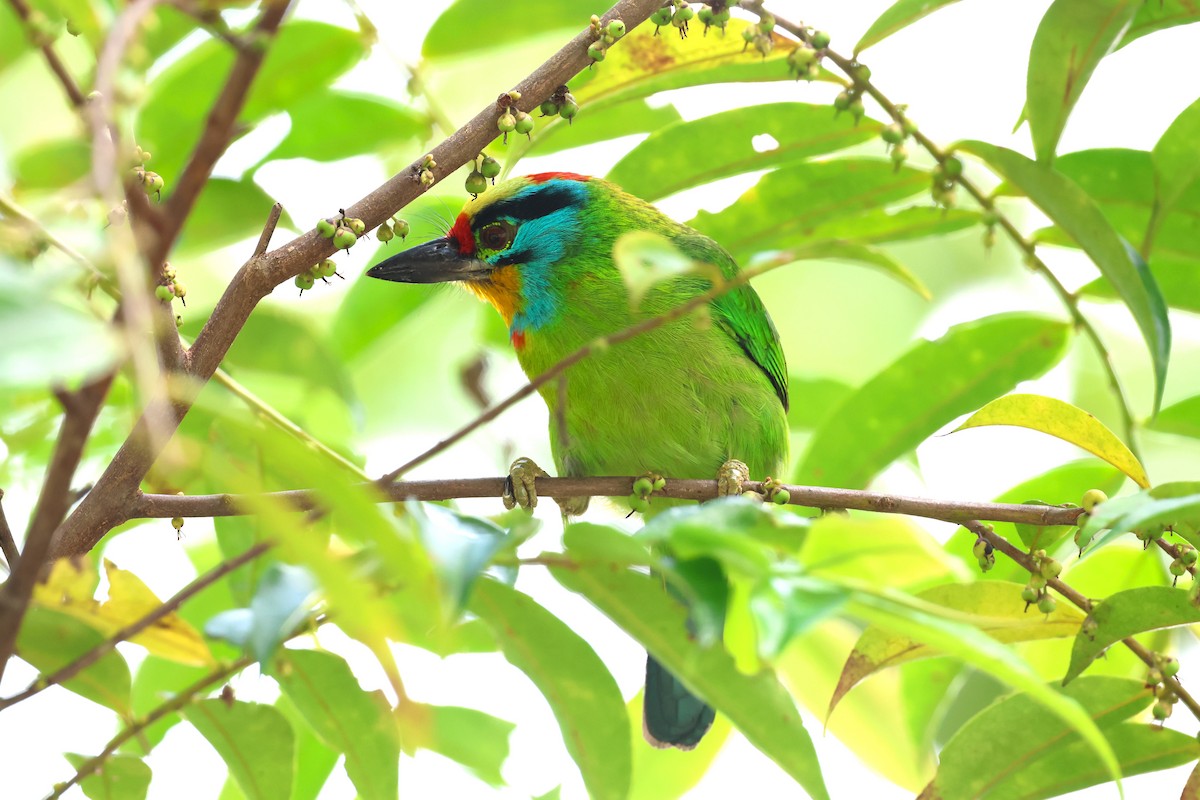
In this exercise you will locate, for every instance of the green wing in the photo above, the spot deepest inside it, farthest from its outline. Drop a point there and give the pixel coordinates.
(741, 314)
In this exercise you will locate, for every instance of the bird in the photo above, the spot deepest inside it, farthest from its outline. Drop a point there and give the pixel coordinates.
(699, 396)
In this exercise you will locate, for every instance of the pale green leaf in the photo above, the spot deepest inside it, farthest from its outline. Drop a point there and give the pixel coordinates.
(119, 777)
(255, 741)
(898, 16)
(1125, 614)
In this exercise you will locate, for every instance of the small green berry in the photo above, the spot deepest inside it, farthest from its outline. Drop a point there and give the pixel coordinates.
(643, 486)
(164, 293)
(490, 168)
(1038, 581)
(326, 228)
(802, 57)
(384, 233)
(178, 320)
(749, 35)
(1047, 604)
(899, 155)
(857, 110)
(355, 224)
(766, 23)
(981, 548)
(401, 227)
(661, 17)
(820, 40)
(659, 483)
(176, 522)
(326, 268)
(1177, 568)
(764, 45)
(987, 562)
(569, 109)
(1092, 497)
(506, 122)
(180, 289)
(781, 497)
(1161, 710)
(476, 184)
(842, 101)
(639, 504)
(344, 239)
(548, 108)
(153, 183)
(860, 72)
(616, 28)
(524, 123)
(909, 126)
(952, 167)
(1051, 569)
(426, 178)
(597, 51)
(1189, 557)
(1170, 668)
(892, 134)
(305, 280)
(1029, 594)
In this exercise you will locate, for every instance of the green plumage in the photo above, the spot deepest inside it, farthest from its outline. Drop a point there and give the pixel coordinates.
(679, 400)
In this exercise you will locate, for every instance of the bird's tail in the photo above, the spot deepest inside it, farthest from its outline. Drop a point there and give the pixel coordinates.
(671, 715)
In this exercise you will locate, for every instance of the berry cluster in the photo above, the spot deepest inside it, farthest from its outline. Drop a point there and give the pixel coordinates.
(170, 288)
(423, 172)
(562, 103)
(894, 136)
(643, 487)
(805, 60)
(605, 36)
(483, 169)
(344, 231)
(1185, 560)
(675, 12)
(390, 229)
(759, 35)
(715, 15)
(773, 490)
(1164, 668)
(984, 553)
(326, 269)
(512, 119)
(152, 182)
(1035, 591)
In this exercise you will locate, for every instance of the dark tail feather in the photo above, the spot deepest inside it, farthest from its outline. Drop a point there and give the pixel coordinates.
(671, 715)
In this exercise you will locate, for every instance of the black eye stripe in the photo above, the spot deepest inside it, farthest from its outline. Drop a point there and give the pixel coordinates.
(546, 200)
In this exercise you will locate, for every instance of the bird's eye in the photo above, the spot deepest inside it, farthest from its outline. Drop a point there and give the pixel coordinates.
(497, 236)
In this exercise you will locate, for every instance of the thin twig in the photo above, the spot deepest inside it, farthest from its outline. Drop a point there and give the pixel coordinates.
(1079, 601)
(74, 95)
(1028, 249)
(8, 545)
(264, 239)
(169, 606)
(184, 698)
(163, 506)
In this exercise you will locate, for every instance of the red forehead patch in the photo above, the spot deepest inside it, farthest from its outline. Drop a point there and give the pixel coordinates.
(542, 177)
(462, 232)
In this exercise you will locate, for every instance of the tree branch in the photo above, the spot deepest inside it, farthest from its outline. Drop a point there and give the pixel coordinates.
(106, 505)
(163, 506)
(74, 95)
(8, 545)
(1080, 602)
(134, 628)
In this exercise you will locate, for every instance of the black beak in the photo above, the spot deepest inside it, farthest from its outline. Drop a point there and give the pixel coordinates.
(433, 262)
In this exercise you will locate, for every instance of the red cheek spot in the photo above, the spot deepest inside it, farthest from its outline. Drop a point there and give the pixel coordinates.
(518, 339)
(462, 233)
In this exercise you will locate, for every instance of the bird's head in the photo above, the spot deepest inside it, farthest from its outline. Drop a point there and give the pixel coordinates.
(515, 246)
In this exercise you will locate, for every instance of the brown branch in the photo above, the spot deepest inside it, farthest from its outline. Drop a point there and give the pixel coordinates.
(184, 698)
(1080, 602)
(264, 239)
(107, 504)
(134, 628)
(74, 95)
(8, 545)
(219, 127)
(163, 506)
(52, 505)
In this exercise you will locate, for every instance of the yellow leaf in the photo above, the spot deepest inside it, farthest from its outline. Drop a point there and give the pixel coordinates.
(1064, 421)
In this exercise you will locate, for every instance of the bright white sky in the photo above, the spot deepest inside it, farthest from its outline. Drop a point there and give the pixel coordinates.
(962, 72)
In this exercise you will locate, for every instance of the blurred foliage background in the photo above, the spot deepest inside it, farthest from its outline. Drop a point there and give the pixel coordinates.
(900, 316)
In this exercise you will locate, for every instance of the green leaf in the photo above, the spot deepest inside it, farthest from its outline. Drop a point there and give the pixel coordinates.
(236, 535)
(759, 707)
(52, 165)
(857, 252)
(658, 167)
(581, 692)
(813, 399)
(156, 680)
(1014, 748)
(1125, 614)
(1176, 504)
(995, 608)
(899, 16)
(314, 761)
(1074, 212)
(226, 212)
(1070, 41)
(604, 123)
(254, 740)
(49, 640)
(348, 719)
(459, 546)
(474, 739)
(783, 208)
(120, 777)
(926, 388)
(330, 125)
(1175, 167)
(884, 549)
(1160, 15)
(282, 600)
(1183, 418)
(13, 41)
(445, 37)
(670, 773)
(1061, 420)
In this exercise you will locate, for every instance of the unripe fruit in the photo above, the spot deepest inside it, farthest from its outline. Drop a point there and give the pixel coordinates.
(899, 155)
(569, 109)
(1051, 569)
(892, 134)
(180, 290)
(952, 167)
(401, 227)
(766, 23)
(1177, 568)
(326, 268)
(1161, 710)
(1047, 604)
(659, 483)
(596, 51)
(490, 167)
(801, 57)
(168, 271)
(384, 233)
(1170, 668)
(548, 108)
(344, 239)
(506, 122)
(820, 40)
(661, 17)
(705, 16)
(1029, 594)
(643, 486)
(153, 182)
(326, 228)
(178, 321)
(1037, 581)
(764, 45)
(616, 28)
(1189, 557)
(355, 224)
(842, 101)
(980, 548)
(987, 562)
(781, 497)
(909, 126)
(164, 293)
(305, 280)
(749, 35)
(1092, 497)
(476, 184)
(177, 522)
(857, 108)
(860, 72)
(524, 123)
(639, 504)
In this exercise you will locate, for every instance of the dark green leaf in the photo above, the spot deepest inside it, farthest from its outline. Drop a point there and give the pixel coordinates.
(1015, 748)
(898, 16)
(226, 212)
(330, 125)
(581, 692)
(49, 640)
(1158, 15)
(926, 388)
(120, 777)
(1070, 41)
(446, 36)
(757, 704)
(52, 165)
(1182, 418)
(255, 741)
(1074, 212)
(879, 226)
(1125, 614)
(314, 760)
(474, 739)
(659, 167)
(348, 719)
(459, 546)
(786, 205)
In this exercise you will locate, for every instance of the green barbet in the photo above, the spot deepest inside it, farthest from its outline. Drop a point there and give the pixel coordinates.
(683, 400)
